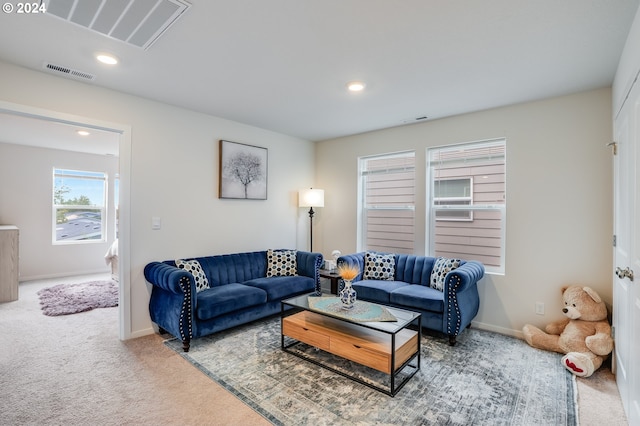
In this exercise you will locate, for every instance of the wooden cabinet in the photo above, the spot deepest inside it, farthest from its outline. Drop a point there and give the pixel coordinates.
(8, 263)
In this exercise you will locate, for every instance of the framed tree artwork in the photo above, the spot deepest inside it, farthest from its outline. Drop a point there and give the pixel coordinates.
(243, 171)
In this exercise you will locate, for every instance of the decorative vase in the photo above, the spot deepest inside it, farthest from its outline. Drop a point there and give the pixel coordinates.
(348, 295)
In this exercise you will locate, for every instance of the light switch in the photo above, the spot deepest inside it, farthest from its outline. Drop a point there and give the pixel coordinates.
(155, 223)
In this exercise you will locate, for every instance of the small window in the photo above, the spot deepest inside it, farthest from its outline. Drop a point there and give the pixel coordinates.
(79, 205)
(466, 193)
(387, 203)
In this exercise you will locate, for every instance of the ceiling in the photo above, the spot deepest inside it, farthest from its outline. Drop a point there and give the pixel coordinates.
(28, 130)
(283, 65)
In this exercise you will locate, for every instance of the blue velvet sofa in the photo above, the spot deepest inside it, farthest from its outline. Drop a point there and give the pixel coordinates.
(239, 288)
(405, 281)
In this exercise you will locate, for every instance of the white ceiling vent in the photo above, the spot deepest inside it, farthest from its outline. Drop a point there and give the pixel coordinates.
(137, 22)
(68, 72)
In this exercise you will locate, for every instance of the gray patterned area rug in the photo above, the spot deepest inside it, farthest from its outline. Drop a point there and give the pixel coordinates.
(485, 379)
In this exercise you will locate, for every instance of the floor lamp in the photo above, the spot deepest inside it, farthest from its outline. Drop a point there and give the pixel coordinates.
(311, 198)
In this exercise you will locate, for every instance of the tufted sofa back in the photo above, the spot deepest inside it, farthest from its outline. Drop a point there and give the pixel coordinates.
(409, 268)
(413, 269)
(240, 267)
(232, 268)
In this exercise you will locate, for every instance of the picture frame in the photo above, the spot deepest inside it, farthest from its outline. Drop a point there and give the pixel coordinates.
(243, 171)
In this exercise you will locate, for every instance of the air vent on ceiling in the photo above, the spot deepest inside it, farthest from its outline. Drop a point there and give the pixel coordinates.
(68, 72)
(136, 22)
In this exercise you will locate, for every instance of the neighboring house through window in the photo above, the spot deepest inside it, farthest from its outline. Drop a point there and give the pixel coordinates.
(79, 206)
(387, 203)
(453, 192)
(466, 196)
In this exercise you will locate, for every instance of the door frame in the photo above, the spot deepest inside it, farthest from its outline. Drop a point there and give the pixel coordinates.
(626, 133)
(124, 230)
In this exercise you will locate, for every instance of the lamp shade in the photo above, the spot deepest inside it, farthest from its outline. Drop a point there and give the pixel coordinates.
(311, 198)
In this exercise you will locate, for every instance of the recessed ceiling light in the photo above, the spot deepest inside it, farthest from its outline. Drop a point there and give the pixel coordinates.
(356, 86)
(83, 133)
(107, 59)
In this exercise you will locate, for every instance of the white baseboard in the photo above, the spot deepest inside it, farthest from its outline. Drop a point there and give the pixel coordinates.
(24, 278)
(141, 333)
(501, 330)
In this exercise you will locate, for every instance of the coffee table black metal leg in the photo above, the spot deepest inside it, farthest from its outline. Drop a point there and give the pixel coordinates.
(393, 364)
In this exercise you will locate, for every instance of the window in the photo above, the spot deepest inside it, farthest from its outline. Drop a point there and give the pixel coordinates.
(78, 206)
(467, 202)
(387, 203)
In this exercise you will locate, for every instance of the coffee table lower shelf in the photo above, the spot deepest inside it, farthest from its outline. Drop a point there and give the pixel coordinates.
(390, 353)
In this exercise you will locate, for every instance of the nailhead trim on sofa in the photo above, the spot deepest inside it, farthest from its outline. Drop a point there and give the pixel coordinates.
(185, 285)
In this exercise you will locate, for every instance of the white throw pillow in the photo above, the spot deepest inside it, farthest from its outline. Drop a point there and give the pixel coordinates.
(441, 268)
(194, 267)
(281, 263)
(378, 266)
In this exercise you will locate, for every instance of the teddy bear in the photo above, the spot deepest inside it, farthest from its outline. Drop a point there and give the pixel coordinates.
(584, 336)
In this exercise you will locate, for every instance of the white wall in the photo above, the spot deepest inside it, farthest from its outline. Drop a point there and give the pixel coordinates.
(174, 175)
(559, 180)
(25, 201)
(559, 198)
(628, 67)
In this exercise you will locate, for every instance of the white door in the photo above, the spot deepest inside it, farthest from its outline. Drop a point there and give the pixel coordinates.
(626, 294)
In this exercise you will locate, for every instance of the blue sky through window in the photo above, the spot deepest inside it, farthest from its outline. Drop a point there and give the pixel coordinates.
(89, 184)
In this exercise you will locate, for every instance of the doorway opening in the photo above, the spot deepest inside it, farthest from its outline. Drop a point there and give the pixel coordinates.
(26, 125)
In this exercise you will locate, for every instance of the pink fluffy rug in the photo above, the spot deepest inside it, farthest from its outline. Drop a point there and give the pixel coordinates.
(65, 299)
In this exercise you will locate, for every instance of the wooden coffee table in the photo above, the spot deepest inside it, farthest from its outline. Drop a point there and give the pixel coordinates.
(390, 347)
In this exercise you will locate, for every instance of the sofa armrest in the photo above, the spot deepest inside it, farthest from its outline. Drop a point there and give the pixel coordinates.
(309, 265)
(464, 276)
(461, 297)
(167, 277)
(173, 300)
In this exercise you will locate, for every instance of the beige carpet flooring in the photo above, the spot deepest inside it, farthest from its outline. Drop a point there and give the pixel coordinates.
(73, 370)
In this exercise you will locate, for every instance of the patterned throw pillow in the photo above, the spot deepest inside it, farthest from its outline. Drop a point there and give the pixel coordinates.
(194, 267)
(440, 270)
(281, 263)
(378, 266)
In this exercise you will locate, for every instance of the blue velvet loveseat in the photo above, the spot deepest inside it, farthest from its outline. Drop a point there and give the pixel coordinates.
(443, 290)
(191, 298)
